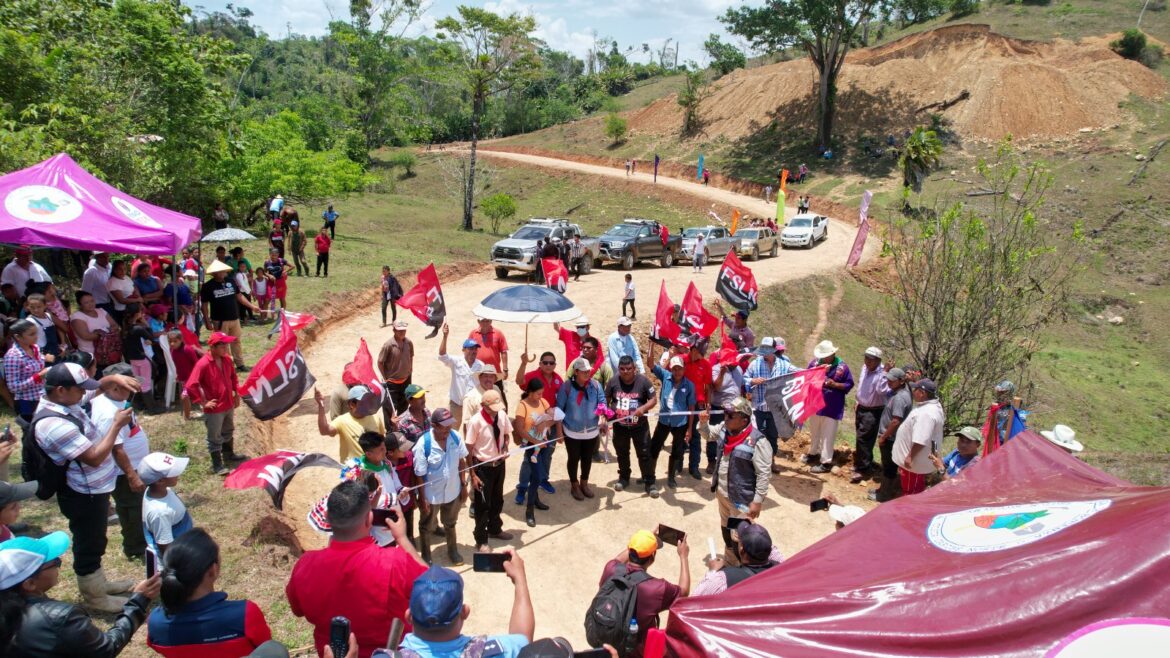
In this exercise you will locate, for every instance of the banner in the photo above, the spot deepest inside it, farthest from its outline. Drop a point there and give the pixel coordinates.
(665, 330)
(783, 181)
(699, 175)
(737, 284)
(279, 380)
(425, 300)
(361, 370)
(862, 231)
(274, 472)
(795, 397)
(296, 321)
(555, 274)
(734, 220)
(695, 319)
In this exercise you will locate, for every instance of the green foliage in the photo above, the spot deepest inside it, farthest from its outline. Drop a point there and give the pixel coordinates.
(1131, 44)
(961, 8)
(695, 90)
(910, 12)
(498, 208)
(725, 57)
(404, 159)
(920, 155)
(615, 127)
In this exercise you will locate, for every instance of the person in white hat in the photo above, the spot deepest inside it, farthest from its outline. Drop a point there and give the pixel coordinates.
(573, 339)
(823, 426)
(1065, 437)
(164, 516)
(872, 392)
(843, 515)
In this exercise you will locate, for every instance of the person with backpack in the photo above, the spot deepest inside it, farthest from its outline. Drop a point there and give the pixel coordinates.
(438, 613)
(68, 457)
(629, 600)
(440, 457)
(756, 554)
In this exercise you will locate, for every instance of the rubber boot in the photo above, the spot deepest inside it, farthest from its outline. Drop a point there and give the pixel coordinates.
(452, 548)
(217, 466)
(94, 596)
(116, 586)
(670, 481)
(530, 515)
(230, 454)
(424, 545)
(536, 502)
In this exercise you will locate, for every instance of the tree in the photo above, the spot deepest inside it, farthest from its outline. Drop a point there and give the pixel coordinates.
(695, 90)
(405, 159)
(724, 56)
(496, 54)
(823, 28)
(499, 208)
(615, 127)
(977, 286)
(920, 155)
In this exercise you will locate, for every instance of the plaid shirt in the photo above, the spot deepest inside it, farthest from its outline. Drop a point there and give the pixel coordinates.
(576, 250)
(21, 373)
(411, 428)
(63, 443)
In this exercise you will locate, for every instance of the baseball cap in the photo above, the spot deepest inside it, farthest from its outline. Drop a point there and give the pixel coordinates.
(23, 249)
(10, 493)
(971, 433)
(442, 416)
(120, 368)
(644, 543)
(875, 352)
(400, 325)
(740, 406)
(469, 343)
(741, 314)
(755, 540)
(894, 374)
(436, 598)
(487, 369)
(294, 223)
(22, 557)
(70, 374)
(767, 346)
(780, 344)
(625, 322)
(157, 309)
(492, 400)
(159, 465)
(358, 392)
(676, 361)
(218, 337)
(925, 384)
(414, 391)
(580, 364)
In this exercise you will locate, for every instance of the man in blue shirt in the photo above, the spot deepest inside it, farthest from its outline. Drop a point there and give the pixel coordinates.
(769, 363)
(676, 404)
(437, 612)
(440, 456)
(621, 343)
(330, 216)
(966, 453)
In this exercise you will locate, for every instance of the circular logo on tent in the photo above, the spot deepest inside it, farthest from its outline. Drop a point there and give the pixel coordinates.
(988, 529)
(132, 213)
(42, 204)
(1135, 636)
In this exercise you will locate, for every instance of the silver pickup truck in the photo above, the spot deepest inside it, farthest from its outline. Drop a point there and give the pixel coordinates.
(719, 242)
(518, 251)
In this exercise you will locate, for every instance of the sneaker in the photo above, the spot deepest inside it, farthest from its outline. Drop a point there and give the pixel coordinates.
(811, 459)
(621, 485)
(547, 488)
(521, 494)
(653, 491)
(821, 468)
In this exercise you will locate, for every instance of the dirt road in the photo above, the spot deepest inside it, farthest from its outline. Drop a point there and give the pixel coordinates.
(565, 553)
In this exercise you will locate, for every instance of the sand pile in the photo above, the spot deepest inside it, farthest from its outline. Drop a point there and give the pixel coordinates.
(1022, 88)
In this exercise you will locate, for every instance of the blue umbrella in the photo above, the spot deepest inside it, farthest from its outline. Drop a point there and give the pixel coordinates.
(527, 304)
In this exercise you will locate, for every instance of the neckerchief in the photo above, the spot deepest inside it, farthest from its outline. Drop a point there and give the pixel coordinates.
(733, 440)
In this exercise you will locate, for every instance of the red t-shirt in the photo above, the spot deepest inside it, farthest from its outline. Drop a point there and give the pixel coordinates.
(572, 343)
(358, 580)
(654, 596)
(552, 384)
(322, 242)
(185, 359)
(490, 346)
(699, 372)
(213, 381)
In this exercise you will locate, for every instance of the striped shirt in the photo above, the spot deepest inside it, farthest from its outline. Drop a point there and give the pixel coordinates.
(63, 443)
(21, 373)
(759, 368)
(576, 250)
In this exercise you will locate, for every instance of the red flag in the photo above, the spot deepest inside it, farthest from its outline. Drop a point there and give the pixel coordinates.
(737, 284)
(555, 274)
(362, 370)
(296, 321)
(189, 337)
(797, 396)
(273, 472)
(425, 300)
(695, 318)
(862, 231)
(665, 331)
(279, 379)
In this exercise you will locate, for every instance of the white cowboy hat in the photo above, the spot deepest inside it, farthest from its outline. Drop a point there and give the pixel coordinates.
(1063, 436)
(845, 514)
(824, 348)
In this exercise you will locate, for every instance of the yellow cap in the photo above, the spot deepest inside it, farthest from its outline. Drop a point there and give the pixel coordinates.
(644, 543)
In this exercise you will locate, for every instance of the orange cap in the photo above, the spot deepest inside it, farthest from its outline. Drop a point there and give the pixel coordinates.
(644, 543)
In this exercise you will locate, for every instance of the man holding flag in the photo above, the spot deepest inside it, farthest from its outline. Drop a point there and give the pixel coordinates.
(213, 383)
(769, 364)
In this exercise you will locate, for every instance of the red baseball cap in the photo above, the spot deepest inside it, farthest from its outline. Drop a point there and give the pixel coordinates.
(218, 337)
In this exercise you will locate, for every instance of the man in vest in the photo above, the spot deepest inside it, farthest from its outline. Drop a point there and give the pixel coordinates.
(756, 555)
(742, 471)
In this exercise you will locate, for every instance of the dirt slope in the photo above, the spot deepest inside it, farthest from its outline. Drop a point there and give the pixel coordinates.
(1022, 88)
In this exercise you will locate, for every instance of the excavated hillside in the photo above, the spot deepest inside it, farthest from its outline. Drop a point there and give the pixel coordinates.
(988, 85)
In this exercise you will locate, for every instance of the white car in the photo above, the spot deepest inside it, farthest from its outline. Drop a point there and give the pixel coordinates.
(805, 230)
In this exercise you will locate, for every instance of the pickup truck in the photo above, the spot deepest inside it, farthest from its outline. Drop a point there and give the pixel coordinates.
(720, 242)
(518, 251)
(636, 240)
(755, 240)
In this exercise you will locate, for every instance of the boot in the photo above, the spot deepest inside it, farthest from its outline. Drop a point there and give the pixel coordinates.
(537, 504)
(217, 466)
(453, 549)
(530, 515)
(670, 481)
(230, 454)
(93, 594)
(424, 545)
(585, 490)
(117, 586)
(575, 491)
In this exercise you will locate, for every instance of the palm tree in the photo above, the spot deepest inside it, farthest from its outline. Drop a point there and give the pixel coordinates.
(920, 154)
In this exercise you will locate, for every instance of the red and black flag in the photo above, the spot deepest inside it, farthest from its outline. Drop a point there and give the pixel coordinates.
(696, 319)
(279, 380)
(425, 300)
(795, 397)
(665, 330)
(555, 274)
(737, 284)
(274, 472)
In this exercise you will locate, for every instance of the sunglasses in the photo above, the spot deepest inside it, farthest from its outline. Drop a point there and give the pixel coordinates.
(548, 363)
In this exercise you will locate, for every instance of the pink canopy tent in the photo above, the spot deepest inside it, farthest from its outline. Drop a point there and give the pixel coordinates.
(1031, 552)
(58, 204)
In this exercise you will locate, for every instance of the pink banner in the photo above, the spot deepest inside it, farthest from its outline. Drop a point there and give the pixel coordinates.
(862, 231)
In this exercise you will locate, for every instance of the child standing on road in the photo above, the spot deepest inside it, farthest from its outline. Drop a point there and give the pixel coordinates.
(628, 298)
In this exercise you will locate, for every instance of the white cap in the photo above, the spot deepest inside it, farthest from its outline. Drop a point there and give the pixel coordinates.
(845, 514)
(190, 274)
(875, 352)
(624, 322)
(159, 465)
(677, 361)
(1063, 436)
(580, 364)
(582, 322)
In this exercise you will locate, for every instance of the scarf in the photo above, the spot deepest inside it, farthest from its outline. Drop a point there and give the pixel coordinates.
(580, 390)
(494, 421)
(733, 440)
(367, 465)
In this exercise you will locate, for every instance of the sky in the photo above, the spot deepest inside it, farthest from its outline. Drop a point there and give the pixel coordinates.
(564, 24)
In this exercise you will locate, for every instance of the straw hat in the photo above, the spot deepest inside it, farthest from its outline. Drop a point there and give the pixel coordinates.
(218, 266)
(824, 348)
(1063, 436)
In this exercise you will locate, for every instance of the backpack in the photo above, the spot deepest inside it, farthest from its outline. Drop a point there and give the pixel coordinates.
(608, 619)
(36, 465)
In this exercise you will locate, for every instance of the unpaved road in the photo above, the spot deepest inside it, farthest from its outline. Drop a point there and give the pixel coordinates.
(565, 553)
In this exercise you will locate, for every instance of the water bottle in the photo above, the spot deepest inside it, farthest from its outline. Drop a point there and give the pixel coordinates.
(633, 626)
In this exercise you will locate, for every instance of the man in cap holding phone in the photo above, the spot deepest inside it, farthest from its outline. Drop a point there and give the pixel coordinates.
(213, 383)
(756, 555)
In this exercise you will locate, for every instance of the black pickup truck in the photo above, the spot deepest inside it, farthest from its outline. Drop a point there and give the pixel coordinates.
(636, 240)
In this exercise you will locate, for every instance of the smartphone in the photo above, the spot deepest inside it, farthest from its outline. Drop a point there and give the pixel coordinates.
(734, 522)
(151, 563)
(489, 562)
(380, 515)
(339, 636)
(818, 505)
(592, 653)
(670, 535)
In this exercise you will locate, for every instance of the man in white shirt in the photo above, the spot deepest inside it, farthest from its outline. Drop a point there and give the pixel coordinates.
(919, 436)
(22, 269)
(463, 373)
(440, 456)
(872, 393)
(621, 343)
(95, 278)
(130, 447)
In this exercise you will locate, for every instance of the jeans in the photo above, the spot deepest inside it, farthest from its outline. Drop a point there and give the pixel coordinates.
(633, 311)
(576, 269)
(488, 502)
(866, 419)
(639, 435)
(393, 310)
(299, 261)
(331, 226)
(531, 475)
(323, 260)
(221, 429)
(129, 507)
(767, 426)
(87, 523)
(580, 455)
(545, 464)
(661, 431)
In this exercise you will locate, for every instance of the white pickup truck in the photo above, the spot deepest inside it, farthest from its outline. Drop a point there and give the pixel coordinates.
(518, 251)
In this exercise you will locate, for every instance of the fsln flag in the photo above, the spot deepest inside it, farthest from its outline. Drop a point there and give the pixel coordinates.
(555, 274)
(425, 300)
(279, 380)
(361, 370)
(695, 318)
(273, 472)
(737, 284)
(795, 397)
(296, 321)
(665, 331)
(862, 231)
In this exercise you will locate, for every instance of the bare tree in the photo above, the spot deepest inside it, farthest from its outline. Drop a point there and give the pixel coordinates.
(457, 179)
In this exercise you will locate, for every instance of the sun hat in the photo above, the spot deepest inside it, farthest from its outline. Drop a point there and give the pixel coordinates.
(436, 599)
(400, 325)
(755, 540)
(470, 344)
(414, 391)
(845, 514)
(487, 369)
(492, 400)
(677, 362)
(625, 322)
(442, 416)
(970, 433)
(581, 322)
(824, 348)
(218, 266)
(70, 374)
(1063, 436)
(644, 543)
(218, 337)
(159, 465)
(11, 493)
(895, 374)
(22, 557)
(580, 363)
(875, 352)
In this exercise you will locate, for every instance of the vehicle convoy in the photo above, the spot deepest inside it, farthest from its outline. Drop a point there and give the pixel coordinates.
(518, 251)
(719, 242)
(757, 240)
(804, 230)
(637, 240)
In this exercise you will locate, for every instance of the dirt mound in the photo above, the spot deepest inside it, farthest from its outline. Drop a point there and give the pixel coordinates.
(1022, 88)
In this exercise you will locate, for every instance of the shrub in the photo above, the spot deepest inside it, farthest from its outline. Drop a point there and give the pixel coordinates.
(405, 159)
(1131, 44)
(615, 127)
(960, 8)
(498, 208)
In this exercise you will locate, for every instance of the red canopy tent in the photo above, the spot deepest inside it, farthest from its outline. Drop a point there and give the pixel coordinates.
(1014, 558)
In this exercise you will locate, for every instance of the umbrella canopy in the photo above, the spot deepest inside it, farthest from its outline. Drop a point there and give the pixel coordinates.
(527, 304)
(58, 204)
(228, 235)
